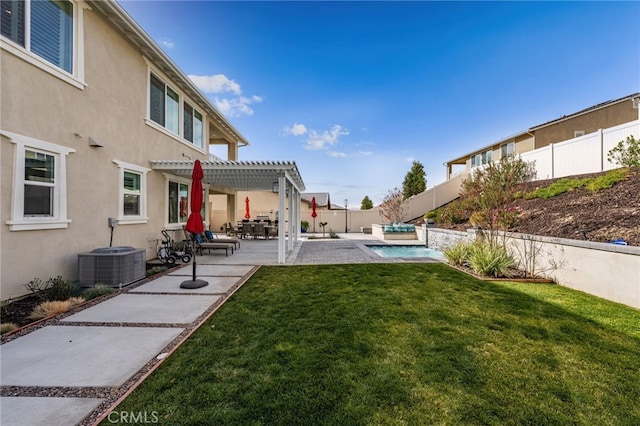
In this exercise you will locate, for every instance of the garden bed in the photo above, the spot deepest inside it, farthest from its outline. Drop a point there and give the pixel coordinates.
(518, 276)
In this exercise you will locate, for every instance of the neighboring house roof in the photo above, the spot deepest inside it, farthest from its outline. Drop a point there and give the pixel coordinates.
(322, 198)
(132, 32)
(548, 123)
(237, 175)
(586, 110)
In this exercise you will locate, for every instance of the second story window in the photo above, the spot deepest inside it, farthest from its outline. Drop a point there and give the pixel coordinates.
(42, 27)
(192, 125)
(507, 149)
(164, 105)
(169, 109)
(481, 158)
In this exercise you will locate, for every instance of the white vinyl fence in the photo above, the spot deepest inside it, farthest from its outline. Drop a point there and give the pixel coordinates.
(581, 155)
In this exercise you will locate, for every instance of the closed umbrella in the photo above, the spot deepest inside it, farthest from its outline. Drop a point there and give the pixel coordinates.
(247, 213)
(313, 212)
(194, 223)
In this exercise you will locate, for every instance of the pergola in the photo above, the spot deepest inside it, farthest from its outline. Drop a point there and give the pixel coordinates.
(230, 176)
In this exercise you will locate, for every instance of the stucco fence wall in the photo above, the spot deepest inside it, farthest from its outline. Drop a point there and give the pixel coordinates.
(605, 270)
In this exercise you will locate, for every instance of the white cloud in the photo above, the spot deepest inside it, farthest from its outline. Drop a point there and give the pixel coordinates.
(221, 84)
(325, 139)
(217, 83)
(335, 154)
(295, 130)
(236, 107)
(409, 159)
(167, 44)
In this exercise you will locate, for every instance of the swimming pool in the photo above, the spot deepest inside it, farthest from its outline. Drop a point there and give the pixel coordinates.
(405, 251)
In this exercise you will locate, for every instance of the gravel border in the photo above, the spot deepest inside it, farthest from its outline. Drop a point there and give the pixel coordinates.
(112, 395)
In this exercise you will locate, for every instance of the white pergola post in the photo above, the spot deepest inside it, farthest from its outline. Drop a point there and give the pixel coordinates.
(282, 190)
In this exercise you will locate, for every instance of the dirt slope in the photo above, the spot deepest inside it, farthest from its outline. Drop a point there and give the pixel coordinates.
(581, 214)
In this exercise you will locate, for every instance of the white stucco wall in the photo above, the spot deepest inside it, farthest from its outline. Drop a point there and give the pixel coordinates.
(605, 270)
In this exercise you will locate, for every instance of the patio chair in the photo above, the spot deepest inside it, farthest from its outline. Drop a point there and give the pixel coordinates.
(210, 237)
(258, 230)
(247, 229)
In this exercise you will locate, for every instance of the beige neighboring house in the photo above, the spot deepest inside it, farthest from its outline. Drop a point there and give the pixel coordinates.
(98, 123)
(601, 116)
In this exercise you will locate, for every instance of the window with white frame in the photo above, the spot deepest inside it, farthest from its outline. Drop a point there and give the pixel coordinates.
(47, 33)
(178, 196)
(192, 125)
(178, 202)
(166, 110)
(481, 158)
(132, 193)
(578, 133)
(507, 149)
(39, 193)
(164, 105)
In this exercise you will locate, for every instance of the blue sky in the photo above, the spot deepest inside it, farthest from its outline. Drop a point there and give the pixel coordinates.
(353, 92)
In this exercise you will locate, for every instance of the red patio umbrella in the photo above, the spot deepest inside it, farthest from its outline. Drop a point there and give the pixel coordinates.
(247, 213)
(194, 223)
(313, 212)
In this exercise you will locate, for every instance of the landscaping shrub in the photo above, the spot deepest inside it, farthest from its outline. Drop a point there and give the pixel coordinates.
(97, 291)
(604, 181)
(47, 309)
(455, 212)
(53, 289)
(7, 327)
(490, 260)
(626, 153)
(156, 270)
(608, 179)
(59, 289)
(458, 254)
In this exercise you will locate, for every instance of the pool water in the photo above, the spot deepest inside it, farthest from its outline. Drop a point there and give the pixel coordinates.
(406, 251)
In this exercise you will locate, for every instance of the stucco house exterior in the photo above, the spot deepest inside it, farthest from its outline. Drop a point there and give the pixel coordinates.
(604, 115)
(98, 123)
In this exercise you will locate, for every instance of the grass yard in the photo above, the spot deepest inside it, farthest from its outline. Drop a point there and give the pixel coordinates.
(400, 344)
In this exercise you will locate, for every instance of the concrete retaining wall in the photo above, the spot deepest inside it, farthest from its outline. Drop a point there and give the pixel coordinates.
(605, 270)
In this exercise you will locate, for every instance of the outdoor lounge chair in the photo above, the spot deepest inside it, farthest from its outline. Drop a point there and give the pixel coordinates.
(201, 245)
(210, 237)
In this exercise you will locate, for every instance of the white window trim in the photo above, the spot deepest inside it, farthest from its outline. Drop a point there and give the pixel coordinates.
(183, 98)
(58, 220)
(174, 178)
(142, 217)
(75, 79)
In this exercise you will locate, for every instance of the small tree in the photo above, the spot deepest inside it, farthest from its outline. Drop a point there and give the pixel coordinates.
(393, 208)
(489, 190)
(626, 153)
(366, 203)
(415, 180)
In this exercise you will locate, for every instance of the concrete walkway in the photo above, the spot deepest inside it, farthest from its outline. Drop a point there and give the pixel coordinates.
(76, 363)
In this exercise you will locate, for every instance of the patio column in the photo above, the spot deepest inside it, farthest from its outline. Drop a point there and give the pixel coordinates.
(282, 256)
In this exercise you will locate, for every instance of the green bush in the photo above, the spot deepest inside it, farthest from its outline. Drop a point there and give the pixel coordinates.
(626, 153)
(96, 291)
(53, 289)
(604, 181)
(6, 327)
(156, 270)
(458, 254)
(59, 289)
(490, 260)
(455, 212)
(608, 179)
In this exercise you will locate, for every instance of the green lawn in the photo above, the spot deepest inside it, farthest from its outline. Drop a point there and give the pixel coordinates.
(401, 344)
